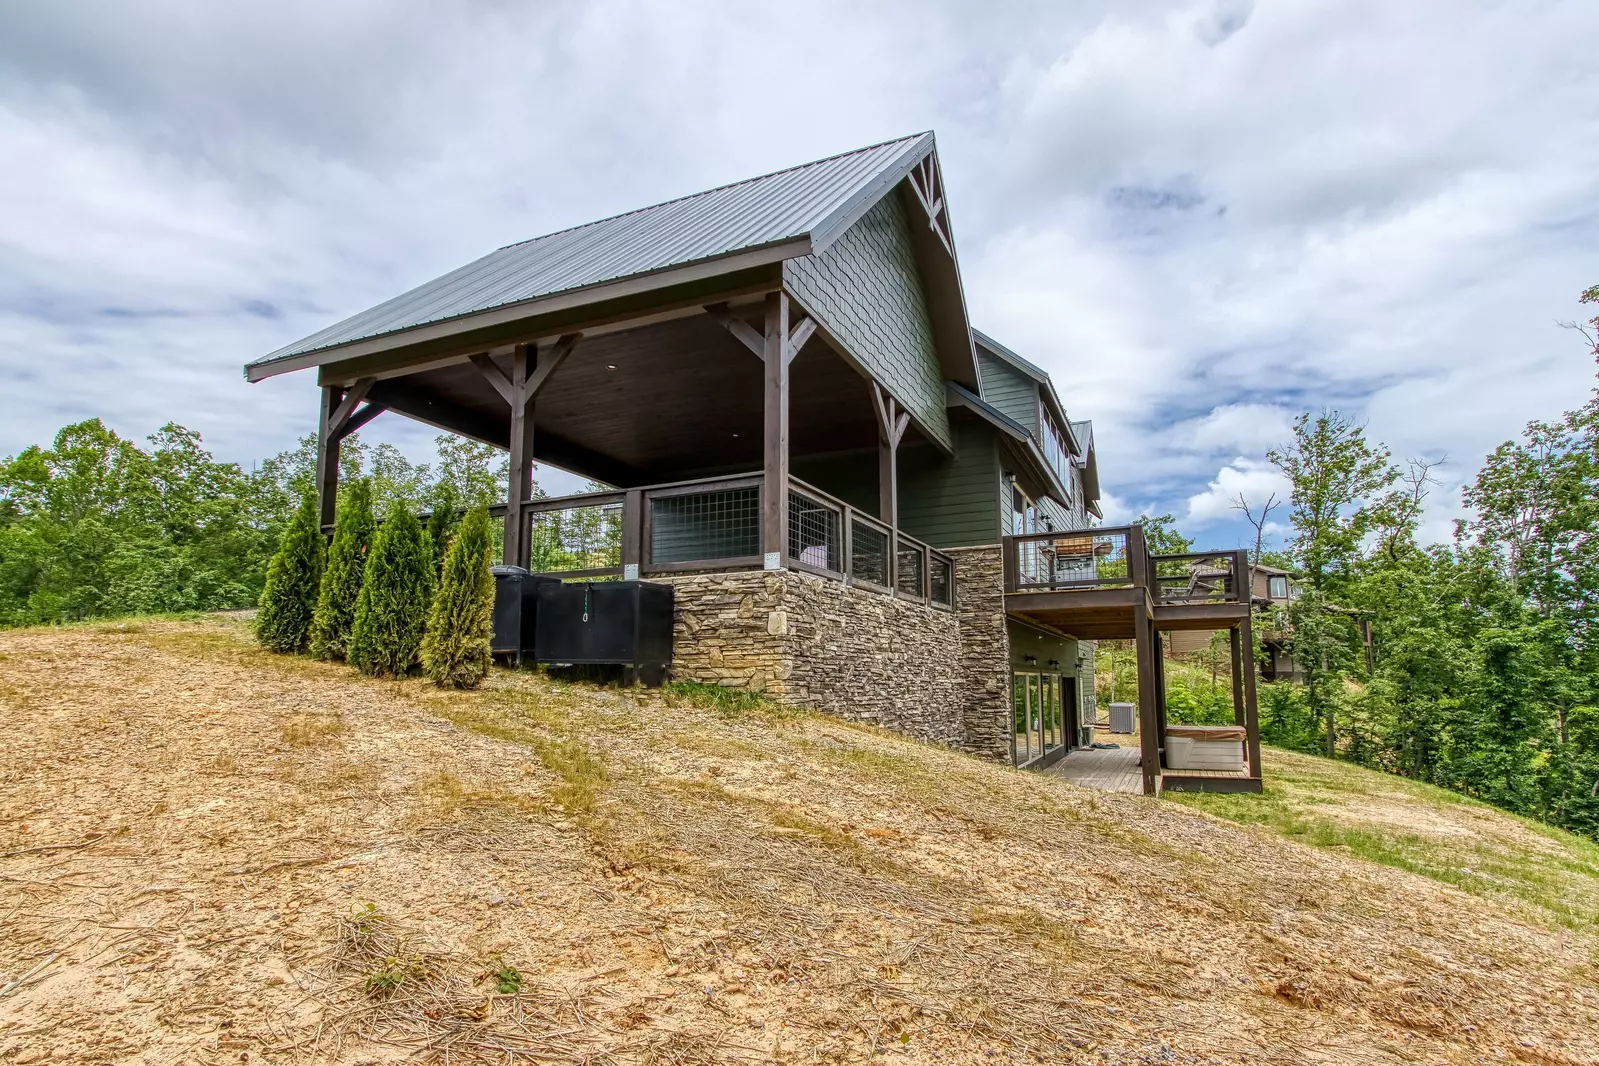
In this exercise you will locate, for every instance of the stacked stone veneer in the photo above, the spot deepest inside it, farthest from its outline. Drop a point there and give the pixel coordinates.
(924, 671)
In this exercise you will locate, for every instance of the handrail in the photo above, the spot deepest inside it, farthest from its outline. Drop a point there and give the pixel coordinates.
(636, 525)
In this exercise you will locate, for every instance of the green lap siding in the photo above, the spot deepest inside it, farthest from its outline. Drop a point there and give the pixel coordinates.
(952, 502)
(1010, 391)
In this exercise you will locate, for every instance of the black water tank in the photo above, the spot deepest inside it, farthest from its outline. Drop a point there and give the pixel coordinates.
(515, 610)
(626, 623)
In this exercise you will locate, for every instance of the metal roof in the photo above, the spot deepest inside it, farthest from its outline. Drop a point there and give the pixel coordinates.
(1040, 375)
(815, 201)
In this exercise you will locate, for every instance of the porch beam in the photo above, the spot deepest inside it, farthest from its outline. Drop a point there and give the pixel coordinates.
(548, 363)
(774, 483)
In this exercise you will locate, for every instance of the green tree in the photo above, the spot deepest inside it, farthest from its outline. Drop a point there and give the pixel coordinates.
(455, 651)
(391, 613)
(341, 583)
(1338, 480)
(444, 503)
(283, 622)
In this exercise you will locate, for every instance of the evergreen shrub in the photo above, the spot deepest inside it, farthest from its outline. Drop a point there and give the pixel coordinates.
(391, 612)
(288, 600)
(455, 650)
(341, 581)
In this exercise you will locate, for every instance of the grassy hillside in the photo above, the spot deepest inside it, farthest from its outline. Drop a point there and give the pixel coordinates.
(208, 853)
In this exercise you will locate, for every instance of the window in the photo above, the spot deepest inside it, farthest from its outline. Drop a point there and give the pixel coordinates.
(1277, 587)
(1055, 448)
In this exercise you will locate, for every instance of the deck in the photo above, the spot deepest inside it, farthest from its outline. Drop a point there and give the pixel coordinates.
(1107, 769)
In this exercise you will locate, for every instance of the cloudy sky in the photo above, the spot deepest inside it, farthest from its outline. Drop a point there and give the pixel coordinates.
(1200, 217)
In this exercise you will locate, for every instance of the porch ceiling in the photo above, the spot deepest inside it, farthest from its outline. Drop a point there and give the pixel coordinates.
(666, 401)
(1088, 614)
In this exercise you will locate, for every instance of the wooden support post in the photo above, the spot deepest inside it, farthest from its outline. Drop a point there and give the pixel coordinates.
(1234, 639)
(632, 533)
(1246, 638)
(774, 482)
(1148, 725)
(327, 455)
(1160, 692)
(523, 362)
(891, 423)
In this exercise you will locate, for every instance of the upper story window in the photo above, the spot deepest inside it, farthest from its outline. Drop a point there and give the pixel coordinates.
(1055, 447)
(1277, 587)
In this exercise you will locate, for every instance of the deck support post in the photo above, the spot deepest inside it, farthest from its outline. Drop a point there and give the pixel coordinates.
(524, 362)
(327, 456)
(1148, 723)
(891, 423)
(1235, 641)
(1158, 654)
(1246, 639)
(774, 469)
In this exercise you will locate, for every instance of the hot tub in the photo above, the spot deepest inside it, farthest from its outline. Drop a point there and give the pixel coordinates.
(1205, 747)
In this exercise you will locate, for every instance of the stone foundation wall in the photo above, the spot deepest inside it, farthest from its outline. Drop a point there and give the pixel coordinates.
(985, 650)
(858, 654)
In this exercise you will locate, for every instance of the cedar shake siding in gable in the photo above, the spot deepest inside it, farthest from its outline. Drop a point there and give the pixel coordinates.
(865, 289)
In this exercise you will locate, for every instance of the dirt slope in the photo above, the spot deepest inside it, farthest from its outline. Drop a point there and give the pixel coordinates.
(210, 854)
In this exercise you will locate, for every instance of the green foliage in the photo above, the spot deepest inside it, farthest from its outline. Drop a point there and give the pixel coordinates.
(94, 526)
(353, 528)
(444, 506)
(455, 651)
(391, 612)
(507, 980)
(293, 577)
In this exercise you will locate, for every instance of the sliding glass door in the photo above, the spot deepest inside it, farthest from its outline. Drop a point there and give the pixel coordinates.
(1039, 726)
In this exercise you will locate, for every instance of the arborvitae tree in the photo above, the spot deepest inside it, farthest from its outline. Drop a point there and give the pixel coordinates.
(392, 610)
(341, 583)
(289, 598)
(446, 503)
(455, 651)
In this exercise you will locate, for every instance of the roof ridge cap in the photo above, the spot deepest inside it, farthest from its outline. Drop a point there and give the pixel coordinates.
(716, 188)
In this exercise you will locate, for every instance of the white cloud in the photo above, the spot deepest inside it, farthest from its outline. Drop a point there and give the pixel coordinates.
(1200, 216)
(1251, 479)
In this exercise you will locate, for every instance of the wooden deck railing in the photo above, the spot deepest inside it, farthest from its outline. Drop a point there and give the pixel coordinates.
(714, 524)
(1117, 557)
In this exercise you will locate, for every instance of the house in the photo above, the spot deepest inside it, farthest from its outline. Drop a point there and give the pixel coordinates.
(863, 504)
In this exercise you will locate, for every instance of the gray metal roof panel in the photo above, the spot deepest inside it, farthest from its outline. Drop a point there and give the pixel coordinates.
(778, 207)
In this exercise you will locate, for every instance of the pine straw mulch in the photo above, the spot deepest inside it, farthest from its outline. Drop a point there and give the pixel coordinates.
(211, 854)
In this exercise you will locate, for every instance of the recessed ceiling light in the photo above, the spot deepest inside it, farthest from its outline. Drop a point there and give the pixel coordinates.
(610, 366)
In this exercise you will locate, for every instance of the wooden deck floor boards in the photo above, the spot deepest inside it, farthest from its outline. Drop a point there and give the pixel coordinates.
(1107, 769)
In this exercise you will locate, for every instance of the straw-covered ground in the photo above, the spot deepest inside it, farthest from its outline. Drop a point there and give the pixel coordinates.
(212, 854)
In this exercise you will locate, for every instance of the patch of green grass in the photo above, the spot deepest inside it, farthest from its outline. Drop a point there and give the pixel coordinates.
(1429, 831)
(729, 703)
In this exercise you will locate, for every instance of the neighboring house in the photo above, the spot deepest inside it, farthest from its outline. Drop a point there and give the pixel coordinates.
(864, 506)
(1272, 590)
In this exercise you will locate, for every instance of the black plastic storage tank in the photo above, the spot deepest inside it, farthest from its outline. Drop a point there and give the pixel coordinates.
(515, 610)
(626, 623)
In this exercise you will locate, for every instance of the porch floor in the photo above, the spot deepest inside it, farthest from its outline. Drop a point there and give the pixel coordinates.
(1107, 769)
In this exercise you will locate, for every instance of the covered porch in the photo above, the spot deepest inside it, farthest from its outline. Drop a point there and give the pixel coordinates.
(1103, 584)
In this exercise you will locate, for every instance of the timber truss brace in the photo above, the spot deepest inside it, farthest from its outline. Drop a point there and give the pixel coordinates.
(755, 341)
(345, 419)
(928, 185)
(520, 387)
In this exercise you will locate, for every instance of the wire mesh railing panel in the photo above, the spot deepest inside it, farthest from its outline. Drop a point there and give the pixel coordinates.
(1075, 557)
(701, 526)
(941, 580)
(584, 537)
(813, 532)
(868, 557)
(1196, 578)
(910, 566)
